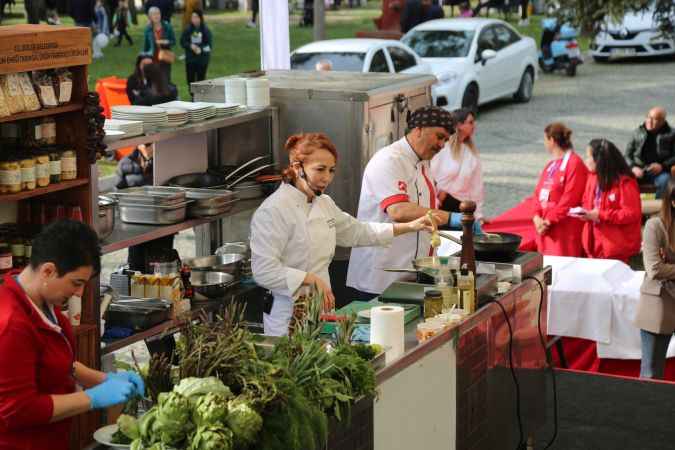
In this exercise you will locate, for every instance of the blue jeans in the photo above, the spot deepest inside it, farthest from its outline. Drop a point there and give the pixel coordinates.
(654, 349)
(660, 181)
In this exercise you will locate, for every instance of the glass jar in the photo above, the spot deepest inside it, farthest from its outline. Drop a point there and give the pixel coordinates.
(10, 176)
(48, 128)
(10, 134)
(27, 173)
(54, 165)
(68, 165)
(27, 249)
(433, 303)
(6, 261)
(42, 172)
(18, 251)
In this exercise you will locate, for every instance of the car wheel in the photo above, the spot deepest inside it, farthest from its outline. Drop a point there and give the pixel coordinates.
(470, 98)
(600, 59)
(524, 92)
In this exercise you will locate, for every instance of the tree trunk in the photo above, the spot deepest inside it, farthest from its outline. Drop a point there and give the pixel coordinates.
(34, 10)
(319, 20)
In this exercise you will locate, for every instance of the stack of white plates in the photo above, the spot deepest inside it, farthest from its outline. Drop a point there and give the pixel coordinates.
(128, 127)
(226, 109)
(150, 116)
(196, 111)
(177, 117)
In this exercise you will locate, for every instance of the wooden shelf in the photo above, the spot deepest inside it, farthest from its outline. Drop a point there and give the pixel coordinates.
(43, 112)
(83, 329)
(127, 234)
(56, 187)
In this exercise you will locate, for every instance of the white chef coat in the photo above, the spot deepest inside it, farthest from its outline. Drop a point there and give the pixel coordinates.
(462, 178)
(291, 237)
(394, 174)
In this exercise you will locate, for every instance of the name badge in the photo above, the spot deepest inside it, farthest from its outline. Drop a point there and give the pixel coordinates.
(544, 194)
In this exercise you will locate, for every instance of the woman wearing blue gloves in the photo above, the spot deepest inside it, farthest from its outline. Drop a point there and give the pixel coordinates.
(39, 376)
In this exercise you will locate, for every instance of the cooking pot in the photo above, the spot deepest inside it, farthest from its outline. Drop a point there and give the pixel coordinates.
(492, 246)
(227, 262)
(211, 284)
(106, 216)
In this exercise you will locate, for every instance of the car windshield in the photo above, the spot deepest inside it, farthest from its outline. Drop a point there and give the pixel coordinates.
(440, 43)
(341, 61)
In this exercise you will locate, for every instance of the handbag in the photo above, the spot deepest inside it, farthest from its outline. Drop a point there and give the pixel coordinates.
(166, 56)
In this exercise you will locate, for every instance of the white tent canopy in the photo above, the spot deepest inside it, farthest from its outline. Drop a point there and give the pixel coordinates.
(275, 50)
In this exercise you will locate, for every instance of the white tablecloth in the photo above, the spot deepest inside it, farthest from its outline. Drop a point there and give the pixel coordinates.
(596, 299)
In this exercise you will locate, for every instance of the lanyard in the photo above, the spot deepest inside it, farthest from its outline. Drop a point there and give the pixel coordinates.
(598, 195)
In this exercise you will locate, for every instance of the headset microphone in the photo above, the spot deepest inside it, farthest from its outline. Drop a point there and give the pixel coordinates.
(317, 192)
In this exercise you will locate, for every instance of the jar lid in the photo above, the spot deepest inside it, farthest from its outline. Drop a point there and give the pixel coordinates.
(433, 294)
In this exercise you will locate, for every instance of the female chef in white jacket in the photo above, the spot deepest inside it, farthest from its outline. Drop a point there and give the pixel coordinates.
(295, 231)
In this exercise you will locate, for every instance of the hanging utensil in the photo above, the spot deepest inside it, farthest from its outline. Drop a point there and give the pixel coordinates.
(245, 165)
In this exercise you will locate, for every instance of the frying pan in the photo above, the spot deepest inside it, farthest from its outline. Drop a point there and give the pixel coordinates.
(425, 269)
(212, 180)
(492, 247)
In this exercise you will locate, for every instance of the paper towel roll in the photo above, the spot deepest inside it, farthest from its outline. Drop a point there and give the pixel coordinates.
(386, 329)
(235, 90)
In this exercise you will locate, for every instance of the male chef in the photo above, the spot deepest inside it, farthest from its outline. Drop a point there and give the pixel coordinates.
(397, 187)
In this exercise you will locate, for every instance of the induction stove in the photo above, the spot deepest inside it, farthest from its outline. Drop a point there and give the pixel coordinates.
(515, 269)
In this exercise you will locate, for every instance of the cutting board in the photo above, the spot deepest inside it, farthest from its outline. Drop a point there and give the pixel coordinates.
(405, 293)
(411, 313)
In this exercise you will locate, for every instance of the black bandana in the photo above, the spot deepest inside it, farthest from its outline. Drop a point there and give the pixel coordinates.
(431, 116)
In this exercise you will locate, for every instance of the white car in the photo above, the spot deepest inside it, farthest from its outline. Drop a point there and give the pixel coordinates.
(371, 55)
(489, 59)
(637, 35)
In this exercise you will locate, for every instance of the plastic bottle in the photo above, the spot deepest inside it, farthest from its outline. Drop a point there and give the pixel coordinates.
(467, 289)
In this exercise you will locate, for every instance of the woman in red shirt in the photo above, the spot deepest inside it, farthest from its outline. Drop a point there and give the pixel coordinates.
(561, 187)
(612, 211)
(38, 371)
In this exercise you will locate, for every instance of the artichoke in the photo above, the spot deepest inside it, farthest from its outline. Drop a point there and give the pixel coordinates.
(128, 425)
(244, 422)
(146, 424)
(210, 409)
(173, 418)
(212, 438)
(192, 387)
(137, 445)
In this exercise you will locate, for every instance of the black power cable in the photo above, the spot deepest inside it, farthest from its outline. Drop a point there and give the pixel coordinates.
(521, 443)
(549, 362)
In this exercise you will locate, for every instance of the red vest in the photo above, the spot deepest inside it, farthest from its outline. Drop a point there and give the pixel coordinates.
(36, 362)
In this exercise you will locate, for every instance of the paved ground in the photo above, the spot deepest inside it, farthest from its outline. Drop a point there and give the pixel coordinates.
(604, 100)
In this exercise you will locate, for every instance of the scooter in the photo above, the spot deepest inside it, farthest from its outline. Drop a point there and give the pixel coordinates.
(559, 48)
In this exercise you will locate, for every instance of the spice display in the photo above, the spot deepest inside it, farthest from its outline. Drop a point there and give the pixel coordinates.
(68, 165)
(10, 176)
(30, 98)
(42, 175)
(44, 86)
(54, 165)
(28, 182)
(11, 87)
(65, 85)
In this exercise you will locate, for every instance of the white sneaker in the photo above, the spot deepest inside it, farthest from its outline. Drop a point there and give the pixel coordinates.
(524, 22)
(251, 24)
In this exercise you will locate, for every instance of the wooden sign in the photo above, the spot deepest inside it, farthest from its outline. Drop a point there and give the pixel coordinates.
(39, 47)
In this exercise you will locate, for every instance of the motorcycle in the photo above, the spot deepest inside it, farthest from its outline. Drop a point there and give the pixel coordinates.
(559, 48)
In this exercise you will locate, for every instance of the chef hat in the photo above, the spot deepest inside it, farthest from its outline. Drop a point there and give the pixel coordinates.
(431, 116)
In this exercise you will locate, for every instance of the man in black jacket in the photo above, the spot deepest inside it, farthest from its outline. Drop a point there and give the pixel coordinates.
(651, 151)
(416, 12)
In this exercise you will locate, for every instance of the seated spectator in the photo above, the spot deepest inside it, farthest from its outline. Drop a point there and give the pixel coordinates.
(611, 205)
(157, 89)
(416, 12)
(324, 66)
(135, 169)
(137, 81)
(465, 10)
(651, 151)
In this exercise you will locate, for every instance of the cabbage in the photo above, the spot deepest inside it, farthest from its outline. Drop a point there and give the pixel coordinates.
(211, 438)
(128, 425)
(192, 387)
(137, 445)
(210, 409)
(244, 422)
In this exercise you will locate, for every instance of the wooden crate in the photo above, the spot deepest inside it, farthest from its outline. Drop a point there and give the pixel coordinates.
(37, 47)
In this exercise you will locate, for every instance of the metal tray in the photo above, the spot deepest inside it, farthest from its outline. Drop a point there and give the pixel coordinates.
(209, 198)
(153, 214)
(151, 195)
(195, 210)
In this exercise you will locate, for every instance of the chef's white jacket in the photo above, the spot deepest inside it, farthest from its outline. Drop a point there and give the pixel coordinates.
(291, 237)
(394, 174)
(462, 177)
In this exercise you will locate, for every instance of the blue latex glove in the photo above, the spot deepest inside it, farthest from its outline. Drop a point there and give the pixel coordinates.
(455, 223)
(131, 377)
(111, 392)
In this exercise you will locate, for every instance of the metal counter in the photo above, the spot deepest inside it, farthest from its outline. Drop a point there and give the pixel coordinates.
(455, 391)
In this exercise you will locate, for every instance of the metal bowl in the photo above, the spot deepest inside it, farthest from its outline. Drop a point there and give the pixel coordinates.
(211, 284)
(227, 262)
(106, 216)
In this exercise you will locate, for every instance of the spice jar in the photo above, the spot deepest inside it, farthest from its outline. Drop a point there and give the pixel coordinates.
(48, 128)
(68, 165)
(54, 166)
(42, 173)
(10, 176)
(27, 173)
(5, 258)
(27, 249)
(18, 251)
(433, 303)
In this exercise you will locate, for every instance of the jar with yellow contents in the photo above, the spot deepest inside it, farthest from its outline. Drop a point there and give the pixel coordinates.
(68, 165)
(28, 182)
(10, 175)
(42, 174)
